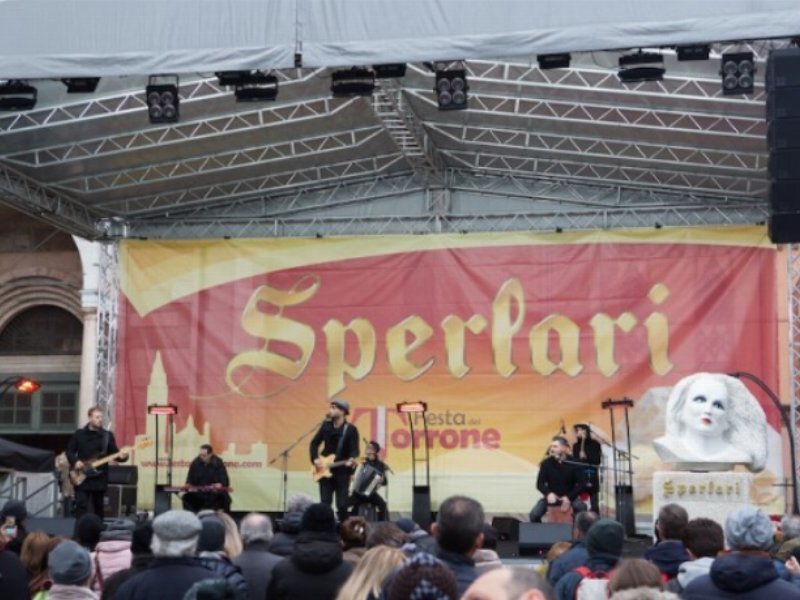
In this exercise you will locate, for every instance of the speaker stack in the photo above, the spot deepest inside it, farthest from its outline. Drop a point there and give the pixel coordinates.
(783, 138)
(120, 500)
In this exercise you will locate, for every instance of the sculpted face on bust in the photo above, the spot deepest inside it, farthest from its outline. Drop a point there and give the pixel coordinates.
(705, 409)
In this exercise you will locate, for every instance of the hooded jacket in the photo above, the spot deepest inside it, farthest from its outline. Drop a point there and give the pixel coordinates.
(112, 553)
(741, 575)
(282, 542)
(668, 556)
(314, 571)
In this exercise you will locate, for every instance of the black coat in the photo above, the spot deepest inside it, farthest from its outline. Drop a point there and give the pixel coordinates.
(214, 471)
(224, 569)
(165, 579)
(88, 444)
(256, 563)
(282, 542)
(314, 571)
(738, 575)
(561, 478)
(329, 437)
(13, 578)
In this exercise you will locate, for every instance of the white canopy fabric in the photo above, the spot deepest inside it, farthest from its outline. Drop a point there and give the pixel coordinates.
(69, 38)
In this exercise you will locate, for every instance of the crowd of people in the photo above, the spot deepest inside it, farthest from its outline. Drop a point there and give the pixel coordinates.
(183, 555)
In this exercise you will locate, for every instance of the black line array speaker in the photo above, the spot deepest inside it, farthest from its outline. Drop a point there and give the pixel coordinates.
(120, 501)
(783, 139)
(63, 526)
(536, 538)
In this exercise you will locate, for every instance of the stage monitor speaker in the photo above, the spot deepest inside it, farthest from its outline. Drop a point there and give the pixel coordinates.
(783, 134)
(784, 228)
(536, 538)
(123, 474)
(507, 528)
(783, 104)
(784, 196)
(421, 506)
(63, 526)
(120, 501)
(783, 68)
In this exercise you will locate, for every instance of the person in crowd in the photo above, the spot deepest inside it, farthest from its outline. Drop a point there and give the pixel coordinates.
(87, 444)
(112, 553)
(384, 533)
(340, 444)
(423, 577)
(703, 540)
(256, 561)
(354, 538)
(70, 569)
(577, 555)
(316, 569)
(486, 557)
(141, 556)
(790, 529)
(87, 531)
(635, 573)
(211, 550)
(747, 571)
(668, 554)
(233, 541)
(459, 533)
(644, 593)
(211, 589)
(13, 578)
(207, 482)
(509, 583)
(604, 546)
(553, 553)
(416, 535)
(374, 466)
(35, 548)
(174, 567)
(282, 542)
(588, 453)
(12, 517)
(559, 482)
(368, 575)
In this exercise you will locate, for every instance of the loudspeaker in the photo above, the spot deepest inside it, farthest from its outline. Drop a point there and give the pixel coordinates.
(623, 495)
(123, 474)
(536, 538)
(784, 228)
(421, 506)
(784, 196)
(120, 501)
(63, 526)
(783, 104)
(507, 528)
(783, 133)
(783, 164)
(163, 500)
(783, 69)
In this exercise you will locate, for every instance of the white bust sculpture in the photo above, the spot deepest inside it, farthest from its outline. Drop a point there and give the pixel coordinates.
(713, 422)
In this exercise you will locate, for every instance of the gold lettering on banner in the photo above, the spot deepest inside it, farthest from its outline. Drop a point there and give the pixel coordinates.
(657, 327)
(603, 327)
(274, 327)
(336, 342)
(569, 336)
(399, 346)
(455, 341)
(504, 325)
(668, 487)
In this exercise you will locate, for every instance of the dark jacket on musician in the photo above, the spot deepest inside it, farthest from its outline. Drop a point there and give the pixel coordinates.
(201, 473)
(561, 478)
(283, 541)
(87, 444)
(329, 436)
(741, 575)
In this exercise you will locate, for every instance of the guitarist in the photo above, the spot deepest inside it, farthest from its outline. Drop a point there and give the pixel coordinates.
(89, 443)
(341, 439)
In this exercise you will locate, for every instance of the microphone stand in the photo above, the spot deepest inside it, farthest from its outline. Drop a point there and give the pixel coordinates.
(284, 455)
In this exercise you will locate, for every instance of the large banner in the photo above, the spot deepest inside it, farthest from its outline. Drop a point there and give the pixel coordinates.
(507, 338)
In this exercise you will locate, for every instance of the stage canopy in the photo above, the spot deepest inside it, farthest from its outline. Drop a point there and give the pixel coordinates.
(19, 457)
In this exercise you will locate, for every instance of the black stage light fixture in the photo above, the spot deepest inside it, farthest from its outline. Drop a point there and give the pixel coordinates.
(257, 87)
(352, 82)
(451, 89)
(17, 95)
(390, 71)
(81, 85)
(231, 78)
(162, 98)
(554, 61)
(641, 66)
(693, 52)
(738, 73)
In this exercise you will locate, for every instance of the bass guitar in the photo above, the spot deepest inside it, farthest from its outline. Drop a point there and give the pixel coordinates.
(89, 468)
(329, 462)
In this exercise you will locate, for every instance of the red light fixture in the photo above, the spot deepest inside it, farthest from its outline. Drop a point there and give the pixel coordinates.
(162, 409)
(412, 407)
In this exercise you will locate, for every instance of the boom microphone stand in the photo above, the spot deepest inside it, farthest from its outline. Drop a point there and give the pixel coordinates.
(284, 456)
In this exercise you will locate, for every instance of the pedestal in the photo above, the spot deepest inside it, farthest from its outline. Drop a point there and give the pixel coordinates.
(712, 495)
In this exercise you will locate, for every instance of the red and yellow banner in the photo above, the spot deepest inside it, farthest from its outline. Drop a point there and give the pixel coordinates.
(505, 336)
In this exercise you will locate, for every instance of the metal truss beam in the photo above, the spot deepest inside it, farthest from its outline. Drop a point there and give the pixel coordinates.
(107, 319)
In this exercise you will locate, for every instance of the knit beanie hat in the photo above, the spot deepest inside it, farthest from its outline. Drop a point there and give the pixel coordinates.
(423, 577)
(88, 529)
(69, 564)
(212, 537)
(176, 525)
(14, 508)
(748, 528)
(342, 405)
(318, 517)
(606, 536)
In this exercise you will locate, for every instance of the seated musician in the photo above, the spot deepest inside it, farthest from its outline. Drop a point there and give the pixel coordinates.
(208, 473)
(559, 481)
(373, 471)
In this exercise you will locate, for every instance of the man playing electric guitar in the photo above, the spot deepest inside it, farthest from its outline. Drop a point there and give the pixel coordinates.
(89, 443)
(340, 442)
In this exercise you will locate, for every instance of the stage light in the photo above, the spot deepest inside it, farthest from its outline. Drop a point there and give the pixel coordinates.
(451, 89)
(231, 78)
(352, 82)
(411, 407)
(81, 85)
(641, 66)
(162, 99)
(257, 87)
(17, 95)
(554, 61)
(693, 52)
(162, 409)
(738, 73)
(390, 71)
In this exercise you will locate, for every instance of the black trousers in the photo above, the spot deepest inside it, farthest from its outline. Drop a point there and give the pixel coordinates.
(85, 498)
(197, 501)
(339, 484)
(375, 498)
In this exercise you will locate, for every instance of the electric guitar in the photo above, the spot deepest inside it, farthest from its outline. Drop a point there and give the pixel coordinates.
(329, 462)
(89, 468)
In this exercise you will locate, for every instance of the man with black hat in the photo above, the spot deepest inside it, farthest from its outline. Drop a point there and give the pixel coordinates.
(339, 451)
(375, 467)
